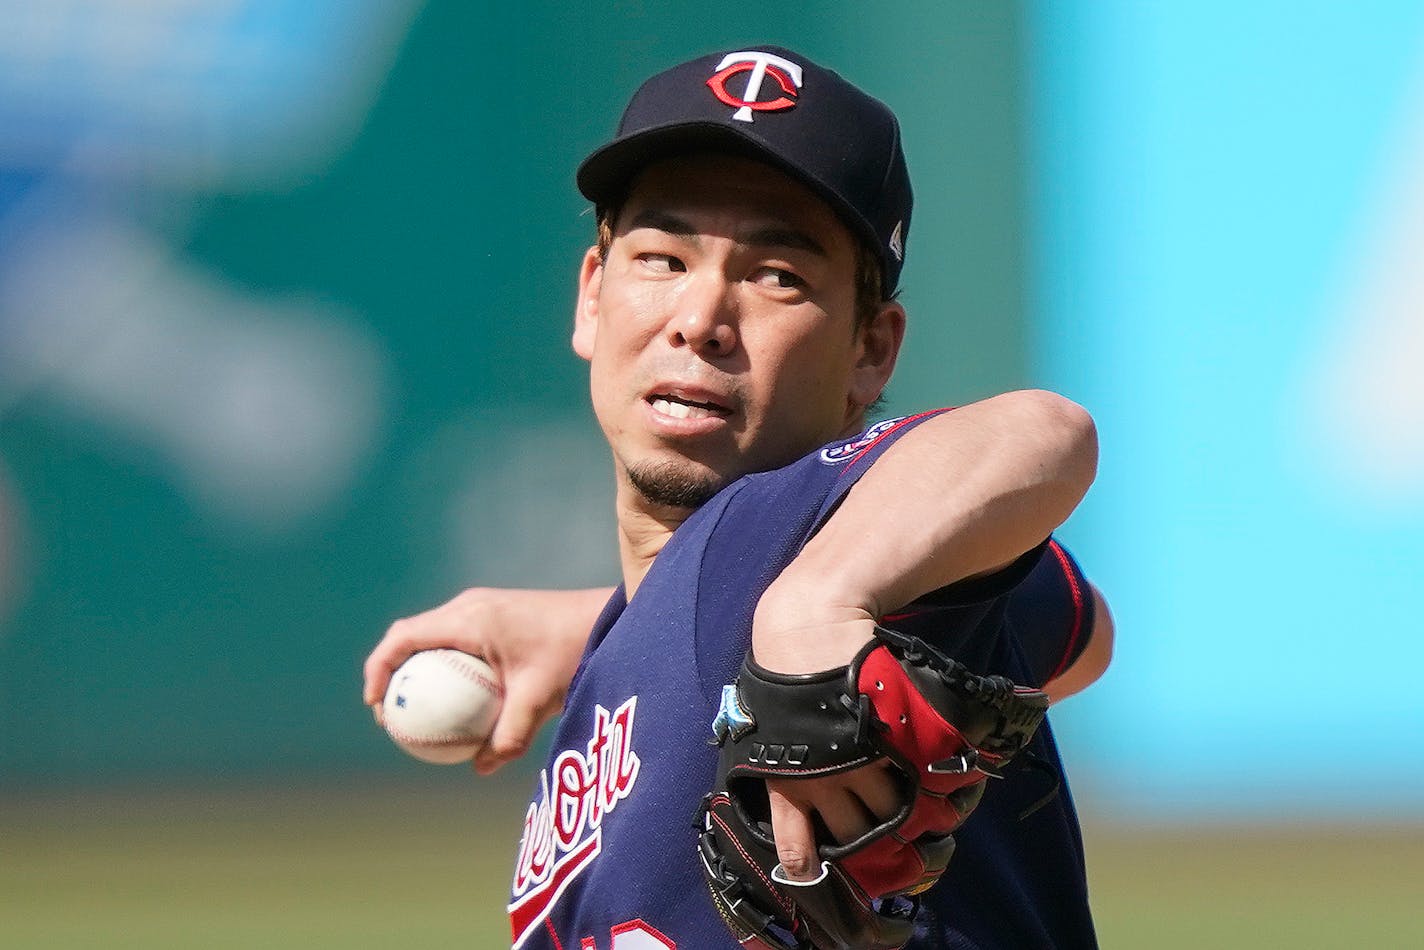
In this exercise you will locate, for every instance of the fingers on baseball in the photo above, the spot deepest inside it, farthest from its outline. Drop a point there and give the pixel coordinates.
(505, 744)
(389, 654)
(403, 638)
(514, 730)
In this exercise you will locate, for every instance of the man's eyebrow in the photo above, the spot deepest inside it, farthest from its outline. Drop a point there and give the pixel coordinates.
(792, 238)
(662, 221)
(769, 236)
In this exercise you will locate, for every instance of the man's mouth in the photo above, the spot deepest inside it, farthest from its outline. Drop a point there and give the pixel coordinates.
(679, 408)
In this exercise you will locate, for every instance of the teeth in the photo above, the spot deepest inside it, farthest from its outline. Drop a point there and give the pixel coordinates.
(681, 410)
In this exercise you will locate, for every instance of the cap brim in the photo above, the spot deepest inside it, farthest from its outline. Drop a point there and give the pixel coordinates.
(604, 177)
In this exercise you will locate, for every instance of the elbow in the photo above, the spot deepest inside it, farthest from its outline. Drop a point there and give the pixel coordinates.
(1067, 430)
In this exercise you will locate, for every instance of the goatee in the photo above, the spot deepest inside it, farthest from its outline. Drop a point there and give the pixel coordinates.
(665, 484)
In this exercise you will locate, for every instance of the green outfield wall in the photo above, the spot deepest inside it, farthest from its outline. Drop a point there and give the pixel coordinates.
(291, 404)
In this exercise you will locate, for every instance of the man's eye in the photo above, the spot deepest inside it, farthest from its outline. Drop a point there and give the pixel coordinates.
(664, 262)
(777, 277)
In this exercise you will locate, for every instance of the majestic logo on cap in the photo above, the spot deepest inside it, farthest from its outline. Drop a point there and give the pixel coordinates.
(758, 66)
(897, 241)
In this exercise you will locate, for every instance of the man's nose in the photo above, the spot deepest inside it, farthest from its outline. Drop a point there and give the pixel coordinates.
(705, 319)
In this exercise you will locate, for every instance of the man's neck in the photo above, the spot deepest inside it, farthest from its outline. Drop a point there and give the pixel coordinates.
(644, 529)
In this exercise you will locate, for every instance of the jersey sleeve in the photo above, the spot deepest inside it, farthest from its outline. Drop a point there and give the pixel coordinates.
(1051, 613)
(1028, 621)
(967, 619)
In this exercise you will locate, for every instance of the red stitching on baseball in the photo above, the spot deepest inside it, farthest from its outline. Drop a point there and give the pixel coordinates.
(436, 742)
(460, 663)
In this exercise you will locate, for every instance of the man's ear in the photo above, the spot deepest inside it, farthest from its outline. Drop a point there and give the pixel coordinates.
(879, 347)
(586, 311)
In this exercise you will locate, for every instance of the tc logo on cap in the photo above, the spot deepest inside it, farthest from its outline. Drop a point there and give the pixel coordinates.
(759, 65)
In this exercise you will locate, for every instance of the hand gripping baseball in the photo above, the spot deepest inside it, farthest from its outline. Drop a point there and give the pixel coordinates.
(944, 729)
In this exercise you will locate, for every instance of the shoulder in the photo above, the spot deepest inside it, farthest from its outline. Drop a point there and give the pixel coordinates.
(842, 458)
(797, 497)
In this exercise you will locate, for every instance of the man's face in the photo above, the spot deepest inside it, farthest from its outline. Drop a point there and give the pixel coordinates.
(720, 330)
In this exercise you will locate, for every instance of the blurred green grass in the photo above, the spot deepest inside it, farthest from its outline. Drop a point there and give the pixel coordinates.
(426, 865)
(1304, 886)
(359, 866)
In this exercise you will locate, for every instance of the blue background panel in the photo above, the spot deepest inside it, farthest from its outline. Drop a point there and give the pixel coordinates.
(1209, 181)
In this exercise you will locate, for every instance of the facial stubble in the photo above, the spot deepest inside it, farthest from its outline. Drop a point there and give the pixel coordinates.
(667, 484)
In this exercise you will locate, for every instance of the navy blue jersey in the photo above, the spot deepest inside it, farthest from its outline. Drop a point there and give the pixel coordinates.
(608, 857)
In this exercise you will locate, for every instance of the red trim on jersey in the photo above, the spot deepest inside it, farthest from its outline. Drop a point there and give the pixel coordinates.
(1076, 631)
(895, 428)
(525, 913)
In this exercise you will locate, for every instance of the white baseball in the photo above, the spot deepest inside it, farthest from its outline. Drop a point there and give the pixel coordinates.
(441, 705)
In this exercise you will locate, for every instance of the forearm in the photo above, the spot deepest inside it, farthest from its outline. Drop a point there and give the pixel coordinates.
(962, 494)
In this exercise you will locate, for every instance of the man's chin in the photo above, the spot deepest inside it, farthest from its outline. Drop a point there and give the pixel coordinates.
(670, 485)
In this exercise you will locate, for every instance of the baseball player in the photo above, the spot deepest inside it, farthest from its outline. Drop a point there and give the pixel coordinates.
(738, 316)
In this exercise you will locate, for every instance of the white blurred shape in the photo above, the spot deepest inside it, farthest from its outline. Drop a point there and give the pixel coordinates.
(266, 407)
(534, 507)
(189, 91)
(1365, 384)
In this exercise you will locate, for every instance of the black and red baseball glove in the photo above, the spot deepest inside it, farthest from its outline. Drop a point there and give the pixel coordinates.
(945, 729)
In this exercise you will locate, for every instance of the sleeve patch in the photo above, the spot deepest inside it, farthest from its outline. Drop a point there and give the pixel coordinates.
(840, 452)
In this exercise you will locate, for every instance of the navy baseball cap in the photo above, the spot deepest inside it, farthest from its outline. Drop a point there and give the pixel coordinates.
(777, 106)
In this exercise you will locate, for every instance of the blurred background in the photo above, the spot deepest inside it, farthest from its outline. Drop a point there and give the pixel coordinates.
(285, 292)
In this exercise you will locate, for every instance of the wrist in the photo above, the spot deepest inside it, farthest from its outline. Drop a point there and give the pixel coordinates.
(800, 629)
